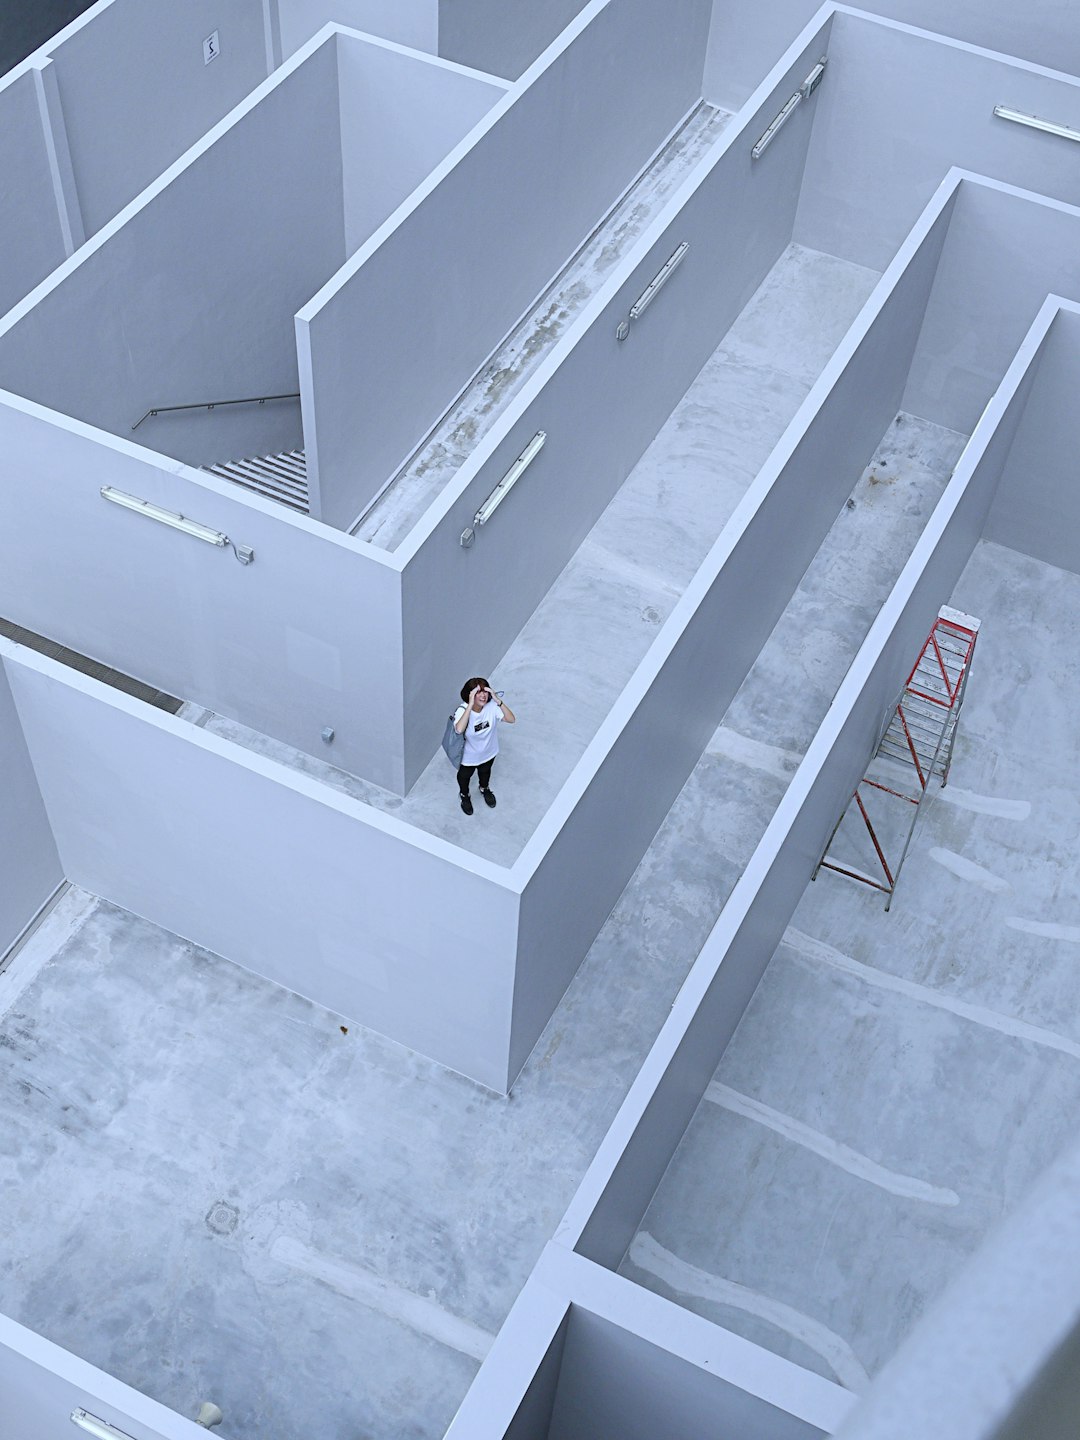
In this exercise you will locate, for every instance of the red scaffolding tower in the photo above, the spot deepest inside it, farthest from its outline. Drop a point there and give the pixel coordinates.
(915, 747)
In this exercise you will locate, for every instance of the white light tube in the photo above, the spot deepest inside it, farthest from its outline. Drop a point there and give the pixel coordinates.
(164, 517)
(649, 294)
(805, 90)
(1035, 123)
(769, 135)
(510, 479)
(96, 1427)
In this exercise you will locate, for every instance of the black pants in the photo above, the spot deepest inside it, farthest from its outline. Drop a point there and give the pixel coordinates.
(465, 774)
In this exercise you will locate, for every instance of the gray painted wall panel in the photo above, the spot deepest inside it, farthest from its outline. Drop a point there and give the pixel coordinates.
(746, 36)
(136, 92)
(29, 864)
(1005, 252)
(42, 1384)
(400, 118)
(718, 990)
(480, 33)
(31, 241)
(409, 22)
(264, 868)
(193, 298)
(739, 594)
(285, 644)
(601, 408)
(614, 1383)
(420, 314)
(896, 111)
(1037, 507)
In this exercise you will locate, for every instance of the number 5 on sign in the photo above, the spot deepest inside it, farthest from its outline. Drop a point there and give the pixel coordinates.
(211, 48)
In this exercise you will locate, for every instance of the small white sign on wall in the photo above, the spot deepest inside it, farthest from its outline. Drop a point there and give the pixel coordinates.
(211, 48)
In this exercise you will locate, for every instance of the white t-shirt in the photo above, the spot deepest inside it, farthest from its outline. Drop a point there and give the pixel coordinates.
(481, 733)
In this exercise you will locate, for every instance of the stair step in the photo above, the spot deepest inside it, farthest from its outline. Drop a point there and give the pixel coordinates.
(281, 477)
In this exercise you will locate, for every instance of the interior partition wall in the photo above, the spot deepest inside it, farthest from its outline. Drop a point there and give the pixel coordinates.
(30, 869)
(518, 1397)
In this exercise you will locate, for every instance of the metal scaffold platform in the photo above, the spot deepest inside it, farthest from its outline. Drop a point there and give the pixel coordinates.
(915, 748)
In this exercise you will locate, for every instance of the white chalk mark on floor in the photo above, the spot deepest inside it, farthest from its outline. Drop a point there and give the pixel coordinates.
(984, 804)
(754, 754)
(649, 1255)
(835, 1151)
(968, 870)
(419, 1314)
(1045, 929)
(977, 1014)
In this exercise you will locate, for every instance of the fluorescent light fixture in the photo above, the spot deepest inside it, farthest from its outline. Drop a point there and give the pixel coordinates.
(176, 521)
(1019, 118)
(649, 294)
(805, 90)
(99, 1428)
(510, 479)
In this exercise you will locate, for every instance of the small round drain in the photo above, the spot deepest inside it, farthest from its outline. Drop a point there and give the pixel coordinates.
(223, 1219)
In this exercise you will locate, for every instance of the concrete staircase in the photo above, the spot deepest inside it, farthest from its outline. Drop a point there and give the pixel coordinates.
(275, 477)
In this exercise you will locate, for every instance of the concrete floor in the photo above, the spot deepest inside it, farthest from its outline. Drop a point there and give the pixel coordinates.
(442, 454)
(830, 1183)
(603, 612)
(319, 1228)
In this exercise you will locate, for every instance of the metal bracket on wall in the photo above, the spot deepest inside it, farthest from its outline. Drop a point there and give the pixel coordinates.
(805, 90)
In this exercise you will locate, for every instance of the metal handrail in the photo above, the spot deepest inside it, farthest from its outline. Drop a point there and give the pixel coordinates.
(213, 405)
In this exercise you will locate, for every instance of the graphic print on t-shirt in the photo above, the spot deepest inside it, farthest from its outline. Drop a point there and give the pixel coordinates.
(481, 734)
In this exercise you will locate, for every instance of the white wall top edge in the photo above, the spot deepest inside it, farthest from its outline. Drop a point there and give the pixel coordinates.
(625, 706)
(621, 276)
(145, 197)
(434, 62)
(514, 91)
(737, 907)
(37, 59)
(258, 764)
(1013, 61)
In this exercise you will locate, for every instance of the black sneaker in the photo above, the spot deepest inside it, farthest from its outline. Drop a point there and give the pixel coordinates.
(489, 798)
(466, 803)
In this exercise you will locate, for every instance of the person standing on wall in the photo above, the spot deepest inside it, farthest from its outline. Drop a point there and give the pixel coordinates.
(478, 718)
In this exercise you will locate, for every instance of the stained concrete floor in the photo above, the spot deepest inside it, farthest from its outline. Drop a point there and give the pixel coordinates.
(899, 1080)
(605, 609)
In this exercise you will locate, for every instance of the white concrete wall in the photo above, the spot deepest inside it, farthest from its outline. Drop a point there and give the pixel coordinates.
(710, 642)
(601, 404)
(746, 35)
(287, 644)
(613, 1382)
(136, 93)
(500, 37)
(1006, 250)
(1037, 507)
(409, 22)
(896, 110)
(29, 864)
(271, 870)
(193, 297)
(631, 1161)
(419, 308)
(42, 1384)
(400, 116)
(31, 240)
